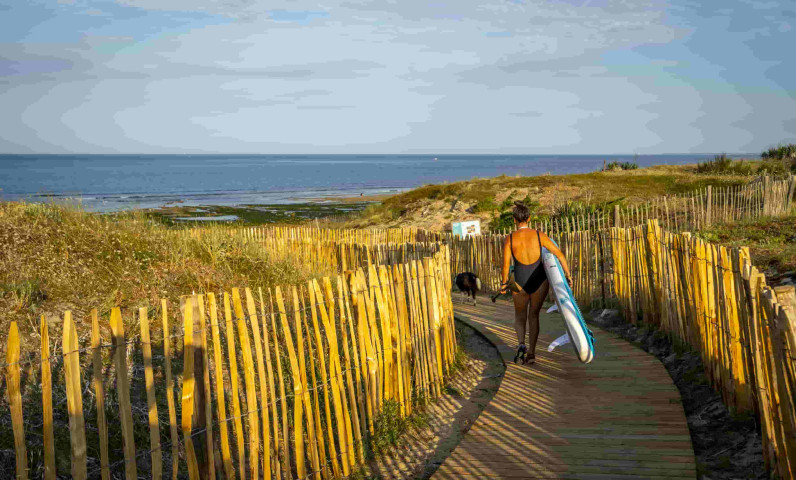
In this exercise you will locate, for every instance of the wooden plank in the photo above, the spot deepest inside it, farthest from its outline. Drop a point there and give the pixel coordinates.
(315, 435)
(188, 387)
(99, 394)
(206, 399)
(344, 415)
(251, 386)
(298, 388)
(221, 409)
(356, 428)
(334, 375)
(357, 372)
(258, 349)
(15, 401)
(47, 403)
(271, 386)
(232, 355)
(282, 397)
(152, 406)
(175, 454)
(123, 392)
(74, 397)
(299, 315)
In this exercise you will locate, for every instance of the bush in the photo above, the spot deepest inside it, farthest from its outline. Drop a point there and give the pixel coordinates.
(504, 221)
(485, 205)
(779, 160)
(774, 168)
(614, 166)
(781, 152)
(722, 165)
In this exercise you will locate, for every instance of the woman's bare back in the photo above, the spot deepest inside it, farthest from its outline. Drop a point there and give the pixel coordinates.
(525, 246)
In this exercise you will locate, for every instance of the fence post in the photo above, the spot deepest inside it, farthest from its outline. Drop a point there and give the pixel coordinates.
(15, 401)
(791, 189)
(708, 207)
(616, 215)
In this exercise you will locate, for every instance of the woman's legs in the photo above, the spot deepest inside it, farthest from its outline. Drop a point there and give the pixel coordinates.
(521, 301)
(535, 306)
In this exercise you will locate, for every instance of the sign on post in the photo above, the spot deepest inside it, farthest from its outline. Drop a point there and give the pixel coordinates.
(466, 229)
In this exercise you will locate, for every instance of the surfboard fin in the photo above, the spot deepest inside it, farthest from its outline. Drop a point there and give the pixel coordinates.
(562, 340)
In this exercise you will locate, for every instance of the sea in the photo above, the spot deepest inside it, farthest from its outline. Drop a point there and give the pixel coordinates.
(107, 183)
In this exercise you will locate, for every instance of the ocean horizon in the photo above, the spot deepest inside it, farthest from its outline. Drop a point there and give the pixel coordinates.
(106, 183)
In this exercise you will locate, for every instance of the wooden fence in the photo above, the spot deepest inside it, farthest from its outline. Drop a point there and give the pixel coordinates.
(714, 300)
(318, 363)
(369, 237)
(763, 197)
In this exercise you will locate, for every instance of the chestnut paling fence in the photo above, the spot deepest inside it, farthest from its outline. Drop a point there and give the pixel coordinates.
(714, 300)
(249, 383)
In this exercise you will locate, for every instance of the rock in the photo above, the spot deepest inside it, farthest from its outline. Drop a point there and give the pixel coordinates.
(605, 316)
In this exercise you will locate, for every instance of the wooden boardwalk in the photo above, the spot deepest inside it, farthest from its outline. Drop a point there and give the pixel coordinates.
(619, 417)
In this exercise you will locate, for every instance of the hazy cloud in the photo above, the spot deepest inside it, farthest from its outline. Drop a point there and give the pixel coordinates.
(570, 76)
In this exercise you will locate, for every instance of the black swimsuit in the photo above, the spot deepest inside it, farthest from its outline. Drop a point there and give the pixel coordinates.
(529, 277)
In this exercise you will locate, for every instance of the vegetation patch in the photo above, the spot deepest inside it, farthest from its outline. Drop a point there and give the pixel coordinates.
(435, 206)
(614, 166)
(771, 242)
(294, 213)
(721, 165)
(389, 427)
(55, 258)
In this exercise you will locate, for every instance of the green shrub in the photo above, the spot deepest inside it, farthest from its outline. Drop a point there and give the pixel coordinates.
(613, 166)
(781, 152)
(722, 165)
(485, 205)
(775, 167)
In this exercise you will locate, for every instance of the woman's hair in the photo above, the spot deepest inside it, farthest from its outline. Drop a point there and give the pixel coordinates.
(521, 212)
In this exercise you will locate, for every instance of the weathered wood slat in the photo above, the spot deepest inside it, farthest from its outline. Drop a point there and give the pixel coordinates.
(47, 403)
(15, 401)
(152, 405)
(174, 438)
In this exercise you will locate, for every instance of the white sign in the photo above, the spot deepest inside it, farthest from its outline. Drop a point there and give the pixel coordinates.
(466, 229)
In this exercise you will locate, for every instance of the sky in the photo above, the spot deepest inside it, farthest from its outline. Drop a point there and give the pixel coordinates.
(396, 76)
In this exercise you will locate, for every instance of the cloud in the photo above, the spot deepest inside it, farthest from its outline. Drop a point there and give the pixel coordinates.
(574, 76)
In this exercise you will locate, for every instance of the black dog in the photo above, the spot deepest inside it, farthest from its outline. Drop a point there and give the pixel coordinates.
(469, 284)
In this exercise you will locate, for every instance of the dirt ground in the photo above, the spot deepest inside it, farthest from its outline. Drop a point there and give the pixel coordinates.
(726, 446)
(423, 450)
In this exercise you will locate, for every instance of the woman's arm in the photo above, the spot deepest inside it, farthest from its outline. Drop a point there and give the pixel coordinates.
(504, 272)
(548, 244)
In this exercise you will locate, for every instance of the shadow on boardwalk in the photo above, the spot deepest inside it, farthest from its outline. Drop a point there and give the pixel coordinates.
(619, 417)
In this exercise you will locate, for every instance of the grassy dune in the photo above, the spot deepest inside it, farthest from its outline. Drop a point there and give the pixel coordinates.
(435, 206)
(771, 242)
(55, 258)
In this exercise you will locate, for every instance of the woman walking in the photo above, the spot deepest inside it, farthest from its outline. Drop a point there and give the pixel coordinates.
(523, 248)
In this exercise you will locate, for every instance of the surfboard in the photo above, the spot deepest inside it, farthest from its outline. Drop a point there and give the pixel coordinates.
(579, 334)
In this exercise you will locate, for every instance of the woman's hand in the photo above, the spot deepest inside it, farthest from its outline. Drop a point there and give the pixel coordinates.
(568, 276)
(504, 288)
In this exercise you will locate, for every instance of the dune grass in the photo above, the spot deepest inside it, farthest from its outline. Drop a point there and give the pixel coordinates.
(485, 197)
(55, 258)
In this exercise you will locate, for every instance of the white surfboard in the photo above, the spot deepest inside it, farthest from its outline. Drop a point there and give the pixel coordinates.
(579, 334)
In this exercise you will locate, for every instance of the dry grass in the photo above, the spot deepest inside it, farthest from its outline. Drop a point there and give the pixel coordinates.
(55, 258)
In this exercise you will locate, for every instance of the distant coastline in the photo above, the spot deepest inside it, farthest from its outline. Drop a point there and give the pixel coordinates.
(108, 183)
